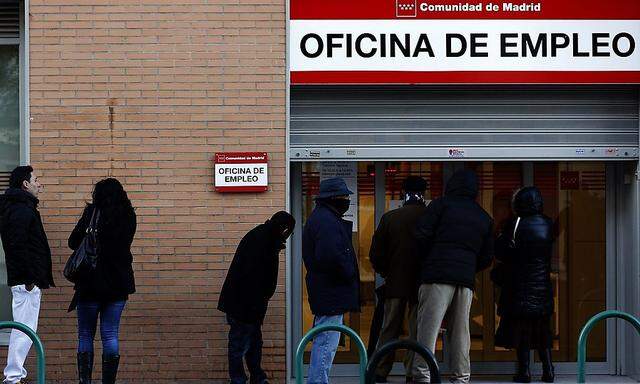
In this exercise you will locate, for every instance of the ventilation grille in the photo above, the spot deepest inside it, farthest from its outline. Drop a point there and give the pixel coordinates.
(4, 181)
(9, 19)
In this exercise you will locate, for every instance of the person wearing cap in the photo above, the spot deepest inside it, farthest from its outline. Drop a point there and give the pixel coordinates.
(333, 278)
(250, 283)
(394, 256)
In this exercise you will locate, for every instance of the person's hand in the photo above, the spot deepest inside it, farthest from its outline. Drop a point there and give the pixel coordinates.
(29, 287)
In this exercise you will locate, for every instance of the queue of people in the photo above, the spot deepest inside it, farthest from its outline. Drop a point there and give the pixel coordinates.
(428, 255)
(101, 288)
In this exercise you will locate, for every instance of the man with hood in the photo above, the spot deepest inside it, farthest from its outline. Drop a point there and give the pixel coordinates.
(394, 256)
(28, 260)
(333, 279)
(250, 284)
(456, 237)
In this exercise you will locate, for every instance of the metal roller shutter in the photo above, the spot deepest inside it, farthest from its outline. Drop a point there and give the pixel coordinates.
(9, 19)
(474, 122)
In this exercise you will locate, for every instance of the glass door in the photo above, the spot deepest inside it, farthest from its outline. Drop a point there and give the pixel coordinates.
(575, 199)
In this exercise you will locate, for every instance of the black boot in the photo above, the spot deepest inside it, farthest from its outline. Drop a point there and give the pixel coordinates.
(548, 373)
(85, 367)
(110, 368)
(524, 374)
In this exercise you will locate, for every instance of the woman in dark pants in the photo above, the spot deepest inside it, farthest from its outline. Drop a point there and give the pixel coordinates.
(103, 291)
(523, 250)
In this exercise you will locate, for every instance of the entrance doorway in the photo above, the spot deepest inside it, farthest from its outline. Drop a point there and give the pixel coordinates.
(575, 195)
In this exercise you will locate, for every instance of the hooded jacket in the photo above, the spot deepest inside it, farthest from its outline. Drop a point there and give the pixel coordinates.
(25, 244)
(455, 235)
(253, 274)
(526, 273)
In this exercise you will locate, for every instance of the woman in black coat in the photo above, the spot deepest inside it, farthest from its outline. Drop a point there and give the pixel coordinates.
(104, 290)
(523, 251)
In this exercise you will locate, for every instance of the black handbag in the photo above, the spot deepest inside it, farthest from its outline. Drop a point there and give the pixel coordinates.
(500, 272)
(85, 257)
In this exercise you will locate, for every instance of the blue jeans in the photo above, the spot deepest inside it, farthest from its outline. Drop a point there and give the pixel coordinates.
(323, 350)
(245, 342)
(110, 313)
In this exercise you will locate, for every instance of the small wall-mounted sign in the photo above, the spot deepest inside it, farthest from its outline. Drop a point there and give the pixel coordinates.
(241, 172)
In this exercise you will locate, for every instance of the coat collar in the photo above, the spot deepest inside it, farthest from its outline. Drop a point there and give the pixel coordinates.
(17, 195)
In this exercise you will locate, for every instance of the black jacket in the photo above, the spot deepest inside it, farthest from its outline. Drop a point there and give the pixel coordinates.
(525, 275)
(394, 252)
(253, 275)
(333, 278)
(25, 244)
(456, 235)
(112, 279)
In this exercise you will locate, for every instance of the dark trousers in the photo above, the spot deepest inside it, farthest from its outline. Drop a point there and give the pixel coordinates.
(376, 323)
(245, 342)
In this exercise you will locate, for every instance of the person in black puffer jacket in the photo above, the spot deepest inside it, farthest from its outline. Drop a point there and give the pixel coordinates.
(104, 291)
(523, 271)
(28, 260)
(455, 237)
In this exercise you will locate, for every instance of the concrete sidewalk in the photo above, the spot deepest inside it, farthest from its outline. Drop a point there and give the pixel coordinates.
(562, 379)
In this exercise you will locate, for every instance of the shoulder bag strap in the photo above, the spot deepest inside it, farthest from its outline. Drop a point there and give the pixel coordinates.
(515, 229)
(93, 223)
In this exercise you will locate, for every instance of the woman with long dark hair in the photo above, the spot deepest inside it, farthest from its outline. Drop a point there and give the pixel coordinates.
(523, 251)
(102, 291)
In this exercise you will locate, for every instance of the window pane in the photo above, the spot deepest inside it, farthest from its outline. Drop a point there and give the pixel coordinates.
(574, 197)
(9, 147)
(9, 107)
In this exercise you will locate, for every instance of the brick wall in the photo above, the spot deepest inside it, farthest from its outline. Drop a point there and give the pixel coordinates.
(146, 91)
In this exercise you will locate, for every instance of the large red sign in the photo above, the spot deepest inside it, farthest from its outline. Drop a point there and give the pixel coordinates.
(456, 9)
(444, 41)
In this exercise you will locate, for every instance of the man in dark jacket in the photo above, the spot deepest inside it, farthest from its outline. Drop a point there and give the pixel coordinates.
(333, 279)
(394, 256)
(456, 237)
(28, 260)
(250, 284)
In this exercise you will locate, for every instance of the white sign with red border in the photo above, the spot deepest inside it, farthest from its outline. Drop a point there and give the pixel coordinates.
(241, 172)
(446, 41)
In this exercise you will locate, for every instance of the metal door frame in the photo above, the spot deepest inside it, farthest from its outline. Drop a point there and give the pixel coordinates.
(23, 53)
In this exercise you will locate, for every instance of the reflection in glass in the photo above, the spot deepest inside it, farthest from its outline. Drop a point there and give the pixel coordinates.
(574, 196)
(9, 107)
